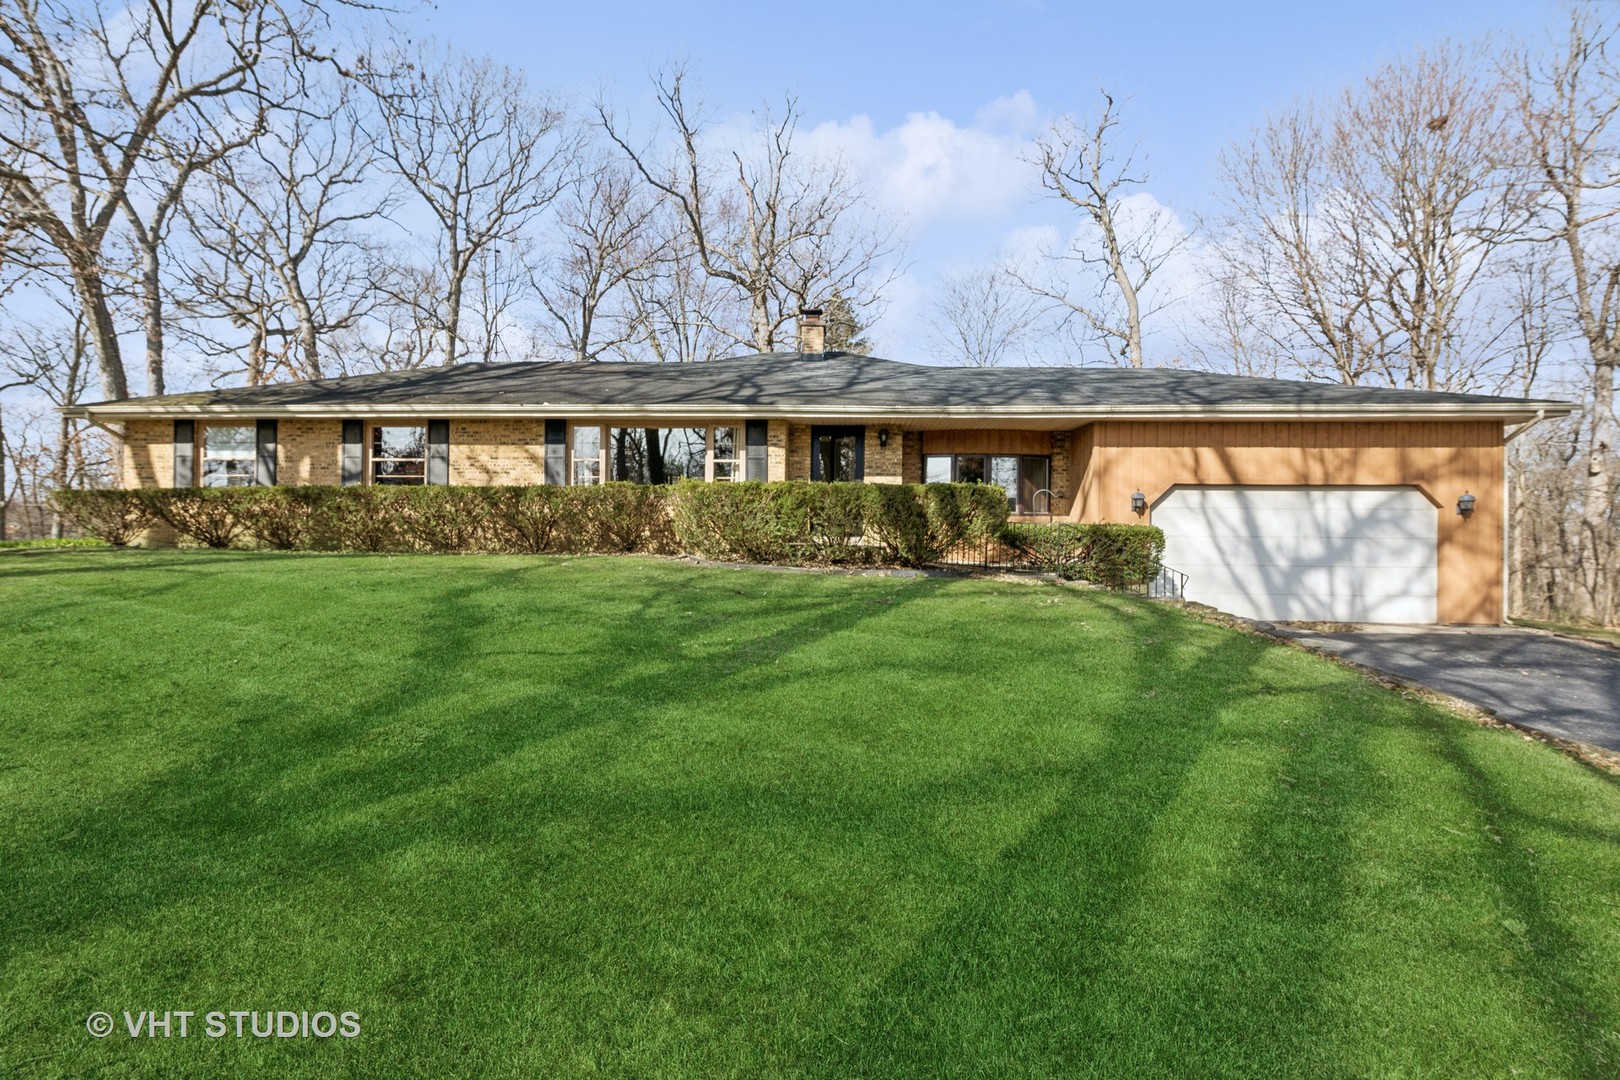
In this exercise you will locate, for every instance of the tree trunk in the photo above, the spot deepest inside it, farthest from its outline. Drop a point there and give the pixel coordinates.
(59, 471)
(109, 358)
(655, 457)
(4, 498)
(309, 344)
(759, 322)
(452, 322)
(1596, 506)
(152, 313)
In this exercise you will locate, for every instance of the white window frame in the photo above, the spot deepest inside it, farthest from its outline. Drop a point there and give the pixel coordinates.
(738, 462)
(739, 435)
(234, 457)
(574, 461)
(372, 459)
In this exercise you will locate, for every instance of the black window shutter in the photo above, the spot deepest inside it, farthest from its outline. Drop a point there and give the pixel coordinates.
(264, 472)
(438, 452)
(556, 453)
(185, 453)
(757, 464)
(354, 434)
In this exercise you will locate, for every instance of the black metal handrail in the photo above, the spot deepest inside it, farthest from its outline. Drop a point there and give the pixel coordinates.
(1168, 584)
(1019, 548)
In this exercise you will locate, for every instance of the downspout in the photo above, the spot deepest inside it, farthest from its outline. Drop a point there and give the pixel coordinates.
(1507, 513)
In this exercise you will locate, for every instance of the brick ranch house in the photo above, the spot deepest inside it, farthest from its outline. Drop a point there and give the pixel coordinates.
(1279, 499)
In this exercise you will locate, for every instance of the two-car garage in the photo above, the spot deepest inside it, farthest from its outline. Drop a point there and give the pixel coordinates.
(1328, 554)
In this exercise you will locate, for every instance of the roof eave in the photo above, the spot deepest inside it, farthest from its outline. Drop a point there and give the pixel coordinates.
(1506, 411)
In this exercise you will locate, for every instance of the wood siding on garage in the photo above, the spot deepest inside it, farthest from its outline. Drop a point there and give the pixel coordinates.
(1441, 458)
(987, 441)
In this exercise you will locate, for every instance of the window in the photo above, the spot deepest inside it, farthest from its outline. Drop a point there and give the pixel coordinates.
(658, 455)
(684, 453)
(1025, 479)
(398, 455)
(727, 456)
(1034, 485)
(587, 455)
(228, 455)
(836, 453)
(636, 455)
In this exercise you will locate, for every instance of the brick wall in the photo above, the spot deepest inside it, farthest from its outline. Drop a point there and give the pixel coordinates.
(148, 454)
(798, 452)
(776, 442)
(309, 451)
(485, 452)
(1062, 471)
(884, 463)
(911, 457)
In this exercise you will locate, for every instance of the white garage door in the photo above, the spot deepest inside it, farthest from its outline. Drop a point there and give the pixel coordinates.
(1328, 554)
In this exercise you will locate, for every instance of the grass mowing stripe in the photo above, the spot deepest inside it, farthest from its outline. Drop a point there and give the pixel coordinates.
(625, 816)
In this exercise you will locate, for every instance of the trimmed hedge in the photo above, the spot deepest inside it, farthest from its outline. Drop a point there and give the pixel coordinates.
(114, 516)
(801, 523)
(796, 523)
(793, 523)
(1119, 556)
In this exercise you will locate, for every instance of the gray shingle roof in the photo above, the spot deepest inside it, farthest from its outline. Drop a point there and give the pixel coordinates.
(787, 383)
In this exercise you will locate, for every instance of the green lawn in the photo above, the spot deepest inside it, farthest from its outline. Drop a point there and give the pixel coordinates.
(619, 817)
(1586, 630)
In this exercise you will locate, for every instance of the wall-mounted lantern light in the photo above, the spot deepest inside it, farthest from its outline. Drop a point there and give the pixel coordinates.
(1138, 502)
(1465, 504)
(883, 437)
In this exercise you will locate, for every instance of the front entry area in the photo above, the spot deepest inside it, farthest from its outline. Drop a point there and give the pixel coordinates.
(1305, 554)
(837, 453)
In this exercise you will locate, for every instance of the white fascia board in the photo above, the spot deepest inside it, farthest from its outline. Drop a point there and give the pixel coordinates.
(1506, 412)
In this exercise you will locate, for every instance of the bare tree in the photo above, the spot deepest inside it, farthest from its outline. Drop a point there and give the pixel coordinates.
(1370, 235)
(485, 157)
(778, 229)
(7, 447)
(98, 102)
(675, 311)
(283, 253)
(604, 237)
(1295, 250)
(403, 331)
(1229, 338)
(1120, 248)
(1569, 104)
(54, 360)
(983, 317)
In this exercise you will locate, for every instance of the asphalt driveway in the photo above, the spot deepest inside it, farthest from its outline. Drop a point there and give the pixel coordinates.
(1535, 680)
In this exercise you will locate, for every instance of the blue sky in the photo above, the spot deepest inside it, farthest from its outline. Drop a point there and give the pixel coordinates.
(932, 101)
(1197, 74)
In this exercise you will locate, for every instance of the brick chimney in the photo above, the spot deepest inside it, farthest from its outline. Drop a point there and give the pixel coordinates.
(812, 332)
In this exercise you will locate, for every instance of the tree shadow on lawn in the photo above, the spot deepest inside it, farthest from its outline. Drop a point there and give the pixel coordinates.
(1542, 949)
(272, 777)
(1138, 929)
(1057, 952)
(1134, 933)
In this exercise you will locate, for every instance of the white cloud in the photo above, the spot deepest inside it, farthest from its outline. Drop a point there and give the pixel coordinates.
(932, 170)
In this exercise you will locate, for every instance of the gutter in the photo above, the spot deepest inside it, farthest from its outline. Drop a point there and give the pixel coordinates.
(1541, 414)
(1055, 416)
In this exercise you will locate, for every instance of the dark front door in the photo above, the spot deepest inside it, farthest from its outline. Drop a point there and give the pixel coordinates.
(837, 453)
